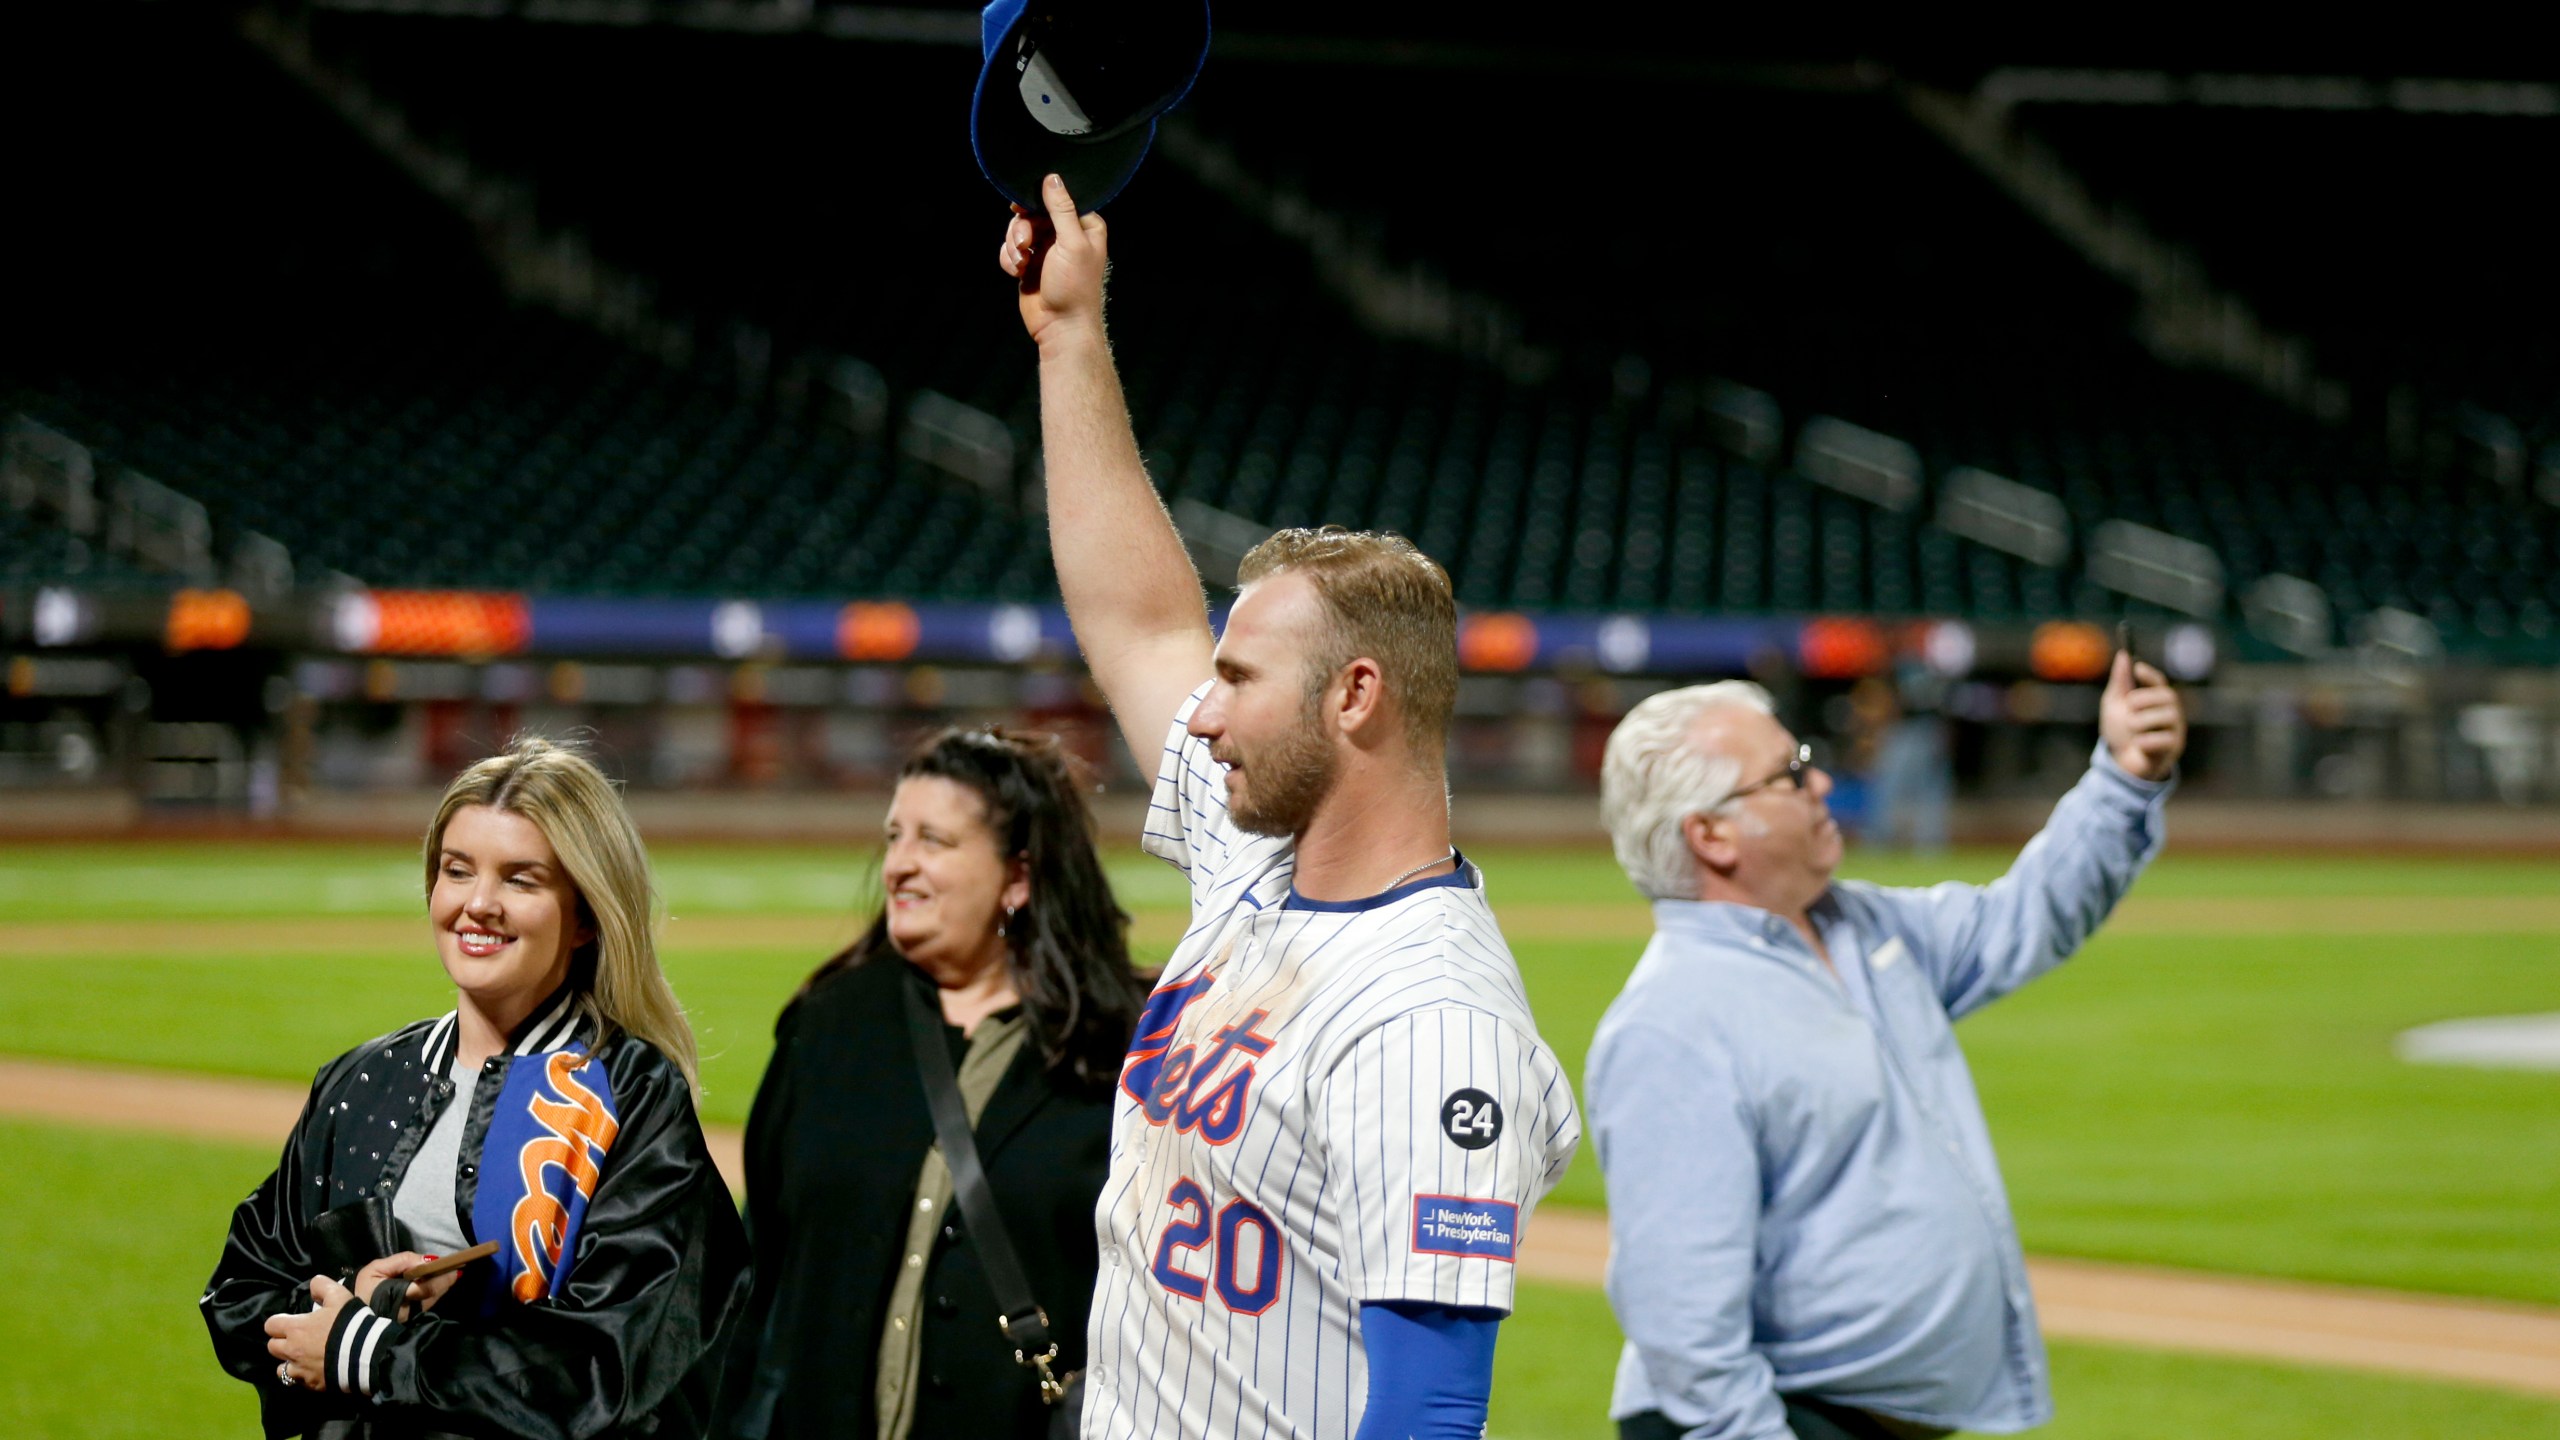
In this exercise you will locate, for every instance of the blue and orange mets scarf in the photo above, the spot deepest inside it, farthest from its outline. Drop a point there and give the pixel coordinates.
(554, 1121)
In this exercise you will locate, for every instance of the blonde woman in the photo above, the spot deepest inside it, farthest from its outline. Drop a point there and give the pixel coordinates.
(551, 1111)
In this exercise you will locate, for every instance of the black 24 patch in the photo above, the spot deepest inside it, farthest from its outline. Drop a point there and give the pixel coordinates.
(1471, 1119)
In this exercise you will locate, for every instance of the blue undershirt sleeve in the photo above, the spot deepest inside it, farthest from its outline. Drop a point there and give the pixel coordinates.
(1430, 1370)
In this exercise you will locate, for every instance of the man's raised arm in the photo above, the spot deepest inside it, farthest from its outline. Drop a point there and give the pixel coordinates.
(1131, 592)
(1979, 943)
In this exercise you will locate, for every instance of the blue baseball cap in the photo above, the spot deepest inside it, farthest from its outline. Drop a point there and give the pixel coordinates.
(1073, 88)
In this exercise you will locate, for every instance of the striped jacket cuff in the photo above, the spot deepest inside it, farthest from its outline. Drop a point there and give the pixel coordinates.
(354, 1342)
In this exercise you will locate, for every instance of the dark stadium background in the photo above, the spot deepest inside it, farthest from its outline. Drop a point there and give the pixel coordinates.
(434, 369)
(379, 378)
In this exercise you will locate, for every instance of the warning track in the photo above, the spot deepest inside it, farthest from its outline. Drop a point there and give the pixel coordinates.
(2509, 1347)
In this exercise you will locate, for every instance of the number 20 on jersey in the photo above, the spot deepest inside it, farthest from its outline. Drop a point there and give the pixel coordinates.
(1244, 1251)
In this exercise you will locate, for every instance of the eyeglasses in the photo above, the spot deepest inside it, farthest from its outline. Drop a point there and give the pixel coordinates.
(1792, 775)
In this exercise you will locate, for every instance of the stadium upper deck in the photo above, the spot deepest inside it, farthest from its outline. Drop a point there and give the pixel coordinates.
(367, 379)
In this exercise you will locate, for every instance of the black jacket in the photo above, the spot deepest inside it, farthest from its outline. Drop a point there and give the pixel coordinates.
(834, 1143)
(628, 1346)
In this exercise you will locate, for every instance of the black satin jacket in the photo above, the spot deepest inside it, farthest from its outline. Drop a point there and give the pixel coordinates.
(630, 1345)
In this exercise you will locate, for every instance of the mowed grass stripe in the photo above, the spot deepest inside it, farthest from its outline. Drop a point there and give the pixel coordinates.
(818, 935)
(1158, 929)
(2214, 1098)
(75, 1221)
(292, 879)
(2229, 1105)
(2508, 1347)
(299, 879)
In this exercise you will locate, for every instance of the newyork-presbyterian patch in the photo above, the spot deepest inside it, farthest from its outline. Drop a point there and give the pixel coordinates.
(1457, 1225)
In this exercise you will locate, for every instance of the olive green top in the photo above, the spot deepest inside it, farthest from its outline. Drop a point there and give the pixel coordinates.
(991, 1050)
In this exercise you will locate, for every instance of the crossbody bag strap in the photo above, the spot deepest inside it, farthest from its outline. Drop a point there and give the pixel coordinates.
(1024, 1323)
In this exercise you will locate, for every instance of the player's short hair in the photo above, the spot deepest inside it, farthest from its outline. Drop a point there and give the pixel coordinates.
(1384, 599)
(1653, 778)
(615, 976)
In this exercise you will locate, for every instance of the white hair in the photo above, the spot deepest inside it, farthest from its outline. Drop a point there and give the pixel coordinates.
(1654, 777)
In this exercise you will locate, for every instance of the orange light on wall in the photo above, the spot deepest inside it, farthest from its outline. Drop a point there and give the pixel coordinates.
(448, 622)
(877, 631)
(1497, 641)
(1842, 649)
(2069, 650)
(207, 620)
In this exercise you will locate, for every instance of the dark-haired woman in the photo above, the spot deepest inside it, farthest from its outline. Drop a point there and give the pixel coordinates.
(873, 1314)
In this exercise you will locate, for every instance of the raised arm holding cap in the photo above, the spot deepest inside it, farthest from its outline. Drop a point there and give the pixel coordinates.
(1342, 987)
(1136, 603)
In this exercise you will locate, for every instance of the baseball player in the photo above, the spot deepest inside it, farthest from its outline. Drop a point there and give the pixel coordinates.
(1337, 1115)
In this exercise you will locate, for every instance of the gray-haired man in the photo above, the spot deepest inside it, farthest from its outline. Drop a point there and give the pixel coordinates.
(1809, 1234)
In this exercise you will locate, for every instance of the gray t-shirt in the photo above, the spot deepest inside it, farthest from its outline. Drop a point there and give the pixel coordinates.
(424, 1201)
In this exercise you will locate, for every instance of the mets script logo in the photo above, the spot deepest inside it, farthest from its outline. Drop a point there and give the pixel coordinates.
(558, 1167)
(1187, 1089)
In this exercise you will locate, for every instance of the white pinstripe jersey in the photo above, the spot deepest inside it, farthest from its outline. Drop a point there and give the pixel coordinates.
(1326, 1104)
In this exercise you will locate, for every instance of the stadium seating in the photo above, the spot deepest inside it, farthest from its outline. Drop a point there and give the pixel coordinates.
(2375, 233)
(2378, 231)
(36, 551)
(1821, 247)
(524, 453)
(1786, 254)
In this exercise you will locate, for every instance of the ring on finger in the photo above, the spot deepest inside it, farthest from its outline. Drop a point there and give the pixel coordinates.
(284, 1372)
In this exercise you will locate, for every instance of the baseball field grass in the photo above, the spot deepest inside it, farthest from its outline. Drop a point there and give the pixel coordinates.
(105, 1240)
(2211, 1085)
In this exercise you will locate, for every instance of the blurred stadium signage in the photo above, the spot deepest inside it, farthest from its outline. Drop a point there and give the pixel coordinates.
(487, 627)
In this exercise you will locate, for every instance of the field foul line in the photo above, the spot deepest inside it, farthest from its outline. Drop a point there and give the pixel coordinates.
(2508, 1347)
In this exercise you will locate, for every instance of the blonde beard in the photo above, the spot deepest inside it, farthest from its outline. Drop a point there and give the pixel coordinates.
(1286, 783)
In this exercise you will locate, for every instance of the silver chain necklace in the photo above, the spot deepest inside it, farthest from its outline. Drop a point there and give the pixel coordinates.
(1418, 869)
